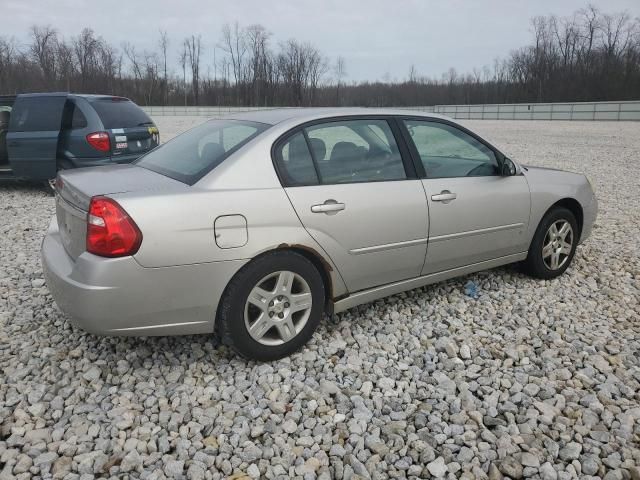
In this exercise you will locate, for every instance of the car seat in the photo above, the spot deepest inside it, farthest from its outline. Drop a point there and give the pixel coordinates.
(346, 161)
(319, 148)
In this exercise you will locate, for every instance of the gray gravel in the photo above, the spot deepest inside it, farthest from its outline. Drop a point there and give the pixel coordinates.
(531, 379)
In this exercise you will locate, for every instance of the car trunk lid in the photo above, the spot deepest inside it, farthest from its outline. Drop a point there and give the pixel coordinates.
(75, 188)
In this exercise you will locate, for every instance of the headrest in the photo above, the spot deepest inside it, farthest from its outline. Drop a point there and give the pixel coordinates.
(212, 151)
(319, 148)
(344, 150)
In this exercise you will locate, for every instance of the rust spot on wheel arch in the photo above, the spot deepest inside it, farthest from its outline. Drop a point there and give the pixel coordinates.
(326, 265)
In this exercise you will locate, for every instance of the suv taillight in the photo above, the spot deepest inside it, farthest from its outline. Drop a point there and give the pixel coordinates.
(111, 232)
(100, 141)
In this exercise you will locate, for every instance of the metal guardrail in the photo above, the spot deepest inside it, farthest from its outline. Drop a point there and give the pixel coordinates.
(198, 111)
(599, 111)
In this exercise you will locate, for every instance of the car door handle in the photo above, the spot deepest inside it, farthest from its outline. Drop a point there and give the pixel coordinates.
(444, 196)
(329, 207)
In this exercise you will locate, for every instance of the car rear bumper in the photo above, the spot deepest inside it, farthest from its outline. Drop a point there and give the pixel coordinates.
(117, 296)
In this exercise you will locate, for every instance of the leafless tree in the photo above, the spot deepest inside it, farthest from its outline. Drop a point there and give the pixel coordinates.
(340, 71)
(183, 64)
(66, 63)
(234, 43)
(135, 65)
(85, 47)
(164, 47)
(44, 41)
(194, 48)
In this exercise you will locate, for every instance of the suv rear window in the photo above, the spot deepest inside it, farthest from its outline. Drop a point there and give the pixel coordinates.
(120, 113)
(190, 156)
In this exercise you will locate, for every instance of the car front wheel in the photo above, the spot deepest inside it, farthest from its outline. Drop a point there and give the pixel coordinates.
(272, 306)
(554, 244)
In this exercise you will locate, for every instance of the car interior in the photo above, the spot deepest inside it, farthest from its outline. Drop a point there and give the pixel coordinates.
(344, 153)
(359, 155)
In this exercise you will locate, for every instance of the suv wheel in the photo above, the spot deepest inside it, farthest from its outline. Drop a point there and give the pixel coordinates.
(272, 306)
(554, 245)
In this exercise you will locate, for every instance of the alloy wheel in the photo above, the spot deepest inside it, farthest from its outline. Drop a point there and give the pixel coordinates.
(278, 308)
(557, 245)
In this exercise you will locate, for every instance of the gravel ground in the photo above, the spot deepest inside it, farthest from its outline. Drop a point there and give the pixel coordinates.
(531, 379)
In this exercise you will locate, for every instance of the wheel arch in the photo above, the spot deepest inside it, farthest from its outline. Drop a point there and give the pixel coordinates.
(318, 261)
(574, 207)
(323, 267)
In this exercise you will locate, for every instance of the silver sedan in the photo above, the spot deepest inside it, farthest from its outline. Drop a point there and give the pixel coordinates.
(256, 225)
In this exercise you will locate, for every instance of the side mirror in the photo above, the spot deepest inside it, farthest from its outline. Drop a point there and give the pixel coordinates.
(508, 168)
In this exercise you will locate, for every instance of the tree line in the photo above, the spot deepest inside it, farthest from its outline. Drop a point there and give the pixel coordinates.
(588, 56)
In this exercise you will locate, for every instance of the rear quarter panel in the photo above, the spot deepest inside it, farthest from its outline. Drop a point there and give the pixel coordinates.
(178, 228)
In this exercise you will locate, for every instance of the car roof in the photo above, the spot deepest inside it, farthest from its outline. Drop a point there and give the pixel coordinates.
(279, 115)
(94, 96)
(88, 96)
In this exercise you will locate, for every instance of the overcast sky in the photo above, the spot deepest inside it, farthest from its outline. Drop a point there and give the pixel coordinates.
(378, 38)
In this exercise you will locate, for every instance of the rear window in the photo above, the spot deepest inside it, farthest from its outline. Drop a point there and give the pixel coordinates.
(190, 156)
(120, 113)
(73, 118)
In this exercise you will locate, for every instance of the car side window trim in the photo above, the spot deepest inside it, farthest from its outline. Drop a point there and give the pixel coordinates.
(415, 155)
(277, 158)
(405, 154)
(314, 160)
(403, 146)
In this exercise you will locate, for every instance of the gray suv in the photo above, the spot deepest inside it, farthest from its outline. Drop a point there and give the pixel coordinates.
(46, 132)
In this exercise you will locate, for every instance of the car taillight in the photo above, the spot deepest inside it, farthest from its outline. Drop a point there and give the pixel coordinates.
(111, 232)
(100, 141)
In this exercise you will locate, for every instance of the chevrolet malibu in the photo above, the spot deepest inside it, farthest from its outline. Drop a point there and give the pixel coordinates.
(256, 225)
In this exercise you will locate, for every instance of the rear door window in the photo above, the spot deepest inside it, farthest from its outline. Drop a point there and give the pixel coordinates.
(190, 156)
(73, 118)
(295, 163)
(353, 151)
(120, 113)
(78, 121)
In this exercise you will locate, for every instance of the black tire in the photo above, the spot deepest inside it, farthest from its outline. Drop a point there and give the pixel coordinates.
(230, 321)
(535, 264)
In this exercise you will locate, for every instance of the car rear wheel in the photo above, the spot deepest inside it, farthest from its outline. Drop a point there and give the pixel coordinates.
(272, 306)
(554, 245)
